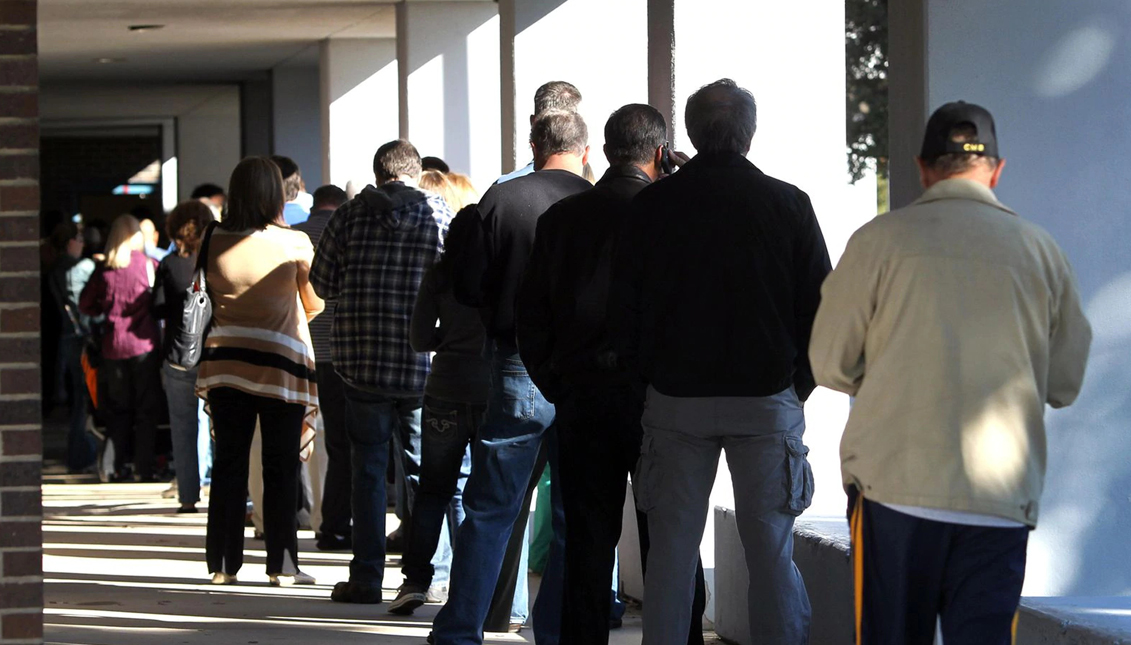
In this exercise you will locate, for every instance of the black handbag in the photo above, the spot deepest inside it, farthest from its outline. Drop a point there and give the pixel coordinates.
(187, 344)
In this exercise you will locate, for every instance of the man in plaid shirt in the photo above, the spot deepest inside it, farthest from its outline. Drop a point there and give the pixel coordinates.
(370, 260)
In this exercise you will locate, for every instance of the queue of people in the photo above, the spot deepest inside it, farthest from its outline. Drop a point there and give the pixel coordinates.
(630, 330)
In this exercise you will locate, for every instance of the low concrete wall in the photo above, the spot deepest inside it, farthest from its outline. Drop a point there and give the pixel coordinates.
(821, 552)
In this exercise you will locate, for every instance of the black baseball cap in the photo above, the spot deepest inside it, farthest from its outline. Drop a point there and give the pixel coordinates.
(936, 140)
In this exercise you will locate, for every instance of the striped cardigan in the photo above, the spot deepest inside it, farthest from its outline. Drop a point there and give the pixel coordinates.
(259, 342)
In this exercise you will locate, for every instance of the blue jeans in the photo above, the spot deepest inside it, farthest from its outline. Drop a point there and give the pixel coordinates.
(188, 426)
(446, 435)
(371, 420)
(519, 419)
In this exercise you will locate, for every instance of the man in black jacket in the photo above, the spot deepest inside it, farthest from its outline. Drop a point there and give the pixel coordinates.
(486, 274)
(564, 342)
(716, 282)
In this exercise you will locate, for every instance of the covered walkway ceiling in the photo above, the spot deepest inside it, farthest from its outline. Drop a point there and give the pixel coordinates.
(202, 40)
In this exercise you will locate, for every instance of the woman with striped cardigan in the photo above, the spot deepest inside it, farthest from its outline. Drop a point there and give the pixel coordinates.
(258, 365)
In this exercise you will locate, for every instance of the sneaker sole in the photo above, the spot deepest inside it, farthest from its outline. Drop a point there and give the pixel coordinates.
(405, 606)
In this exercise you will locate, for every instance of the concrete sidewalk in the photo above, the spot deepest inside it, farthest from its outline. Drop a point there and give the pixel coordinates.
(121, 568)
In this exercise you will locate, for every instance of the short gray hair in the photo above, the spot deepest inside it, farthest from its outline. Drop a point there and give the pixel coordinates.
(721, 117)
(556, 95)
(558, 131)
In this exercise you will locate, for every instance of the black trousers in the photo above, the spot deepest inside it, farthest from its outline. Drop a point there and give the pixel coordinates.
(132, 400)
(600, 436)
(336, 512)
(233, 418)
(913, 572)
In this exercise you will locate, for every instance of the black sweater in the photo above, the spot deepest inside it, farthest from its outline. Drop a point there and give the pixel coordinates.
(174, 276)
(491, 260)
(717, 279)
(562, 324)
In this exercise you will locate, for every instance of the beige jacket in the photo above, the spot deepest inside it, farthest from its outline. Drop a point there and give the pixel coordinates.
(952, 322)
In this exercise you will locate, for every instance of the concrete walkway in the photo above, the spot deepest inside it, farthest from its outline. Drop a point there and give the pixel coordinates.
(122, 568)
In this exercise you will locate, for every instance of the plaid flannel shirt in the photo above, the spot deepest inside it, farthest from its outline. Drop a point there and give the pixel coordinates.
(371, 259)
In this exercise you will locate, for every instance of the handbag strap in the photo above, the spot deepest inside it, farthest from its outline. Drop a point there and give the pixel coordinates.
(202, 257)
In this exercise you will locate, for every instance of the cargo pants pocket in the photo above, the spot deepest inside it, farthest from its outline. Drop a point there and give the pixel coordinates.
(644, 480)
(799, 482)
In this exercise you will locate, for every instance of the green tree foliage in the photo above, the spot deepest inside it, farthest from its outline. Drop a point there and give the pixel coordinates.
(866, 43)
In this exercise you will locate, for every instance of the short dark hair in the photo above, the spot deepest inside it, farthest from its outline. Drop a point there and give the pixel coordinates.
(396, 159)
(558, 131)
(633, 133)
(255, 195)
(62, 235)
(185, 225)
(956, 163)
(721, 117)
(435, 163)
(329, 196)
(292, 176)
(206, 191)
(556, 95)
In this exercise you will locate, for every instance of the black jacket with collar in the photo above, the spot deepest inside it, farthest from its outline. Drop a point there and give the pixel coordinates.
(716, 283)
(562, 323)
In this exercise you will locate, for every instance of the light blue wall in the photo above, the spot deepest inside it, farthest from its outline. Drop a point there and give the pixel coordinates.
(1057, 76)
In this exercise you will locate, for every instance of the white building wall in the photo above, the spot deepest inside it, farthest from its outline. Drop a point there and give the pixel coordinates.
(599, 46)
(358, 106)
(449, 62)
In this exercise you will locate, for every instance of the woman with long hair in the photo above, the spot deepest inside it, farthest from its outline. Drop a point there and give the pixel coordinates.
(122, 291)
(455, 403)
(258, 365)
(456, 189)
(188, 424)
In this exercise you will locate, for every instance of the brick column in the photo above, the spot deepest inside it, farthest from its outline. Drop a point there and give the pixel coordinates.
(21, 570)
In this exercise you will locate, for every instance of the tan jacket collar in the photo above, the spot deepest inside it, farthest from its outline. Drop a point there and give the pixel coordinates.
(962, 189)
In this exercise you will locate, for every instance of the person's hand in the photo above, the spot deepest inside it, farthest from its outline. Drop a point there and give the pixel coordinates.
(678, 158)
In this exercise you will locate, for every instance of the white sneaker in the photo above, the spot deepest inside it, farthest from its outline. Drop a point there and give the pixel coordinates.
(287, 580)
(437, 594)
(221, 578)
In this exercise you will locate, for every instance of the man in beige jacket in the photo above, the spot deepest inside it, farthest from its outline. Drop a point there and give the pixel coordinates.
(953, 322)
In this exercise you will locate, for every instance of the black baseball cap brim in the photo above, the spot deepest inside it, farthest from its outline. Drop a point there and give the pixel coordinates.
(937, 141)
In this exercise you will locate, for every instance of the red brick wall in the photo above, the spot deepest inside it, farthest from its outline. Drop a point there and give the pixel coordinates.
(21, 570)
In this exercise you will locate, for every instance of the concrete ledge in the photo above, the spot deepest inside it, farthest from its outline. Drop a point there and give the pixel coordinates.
(820, 551)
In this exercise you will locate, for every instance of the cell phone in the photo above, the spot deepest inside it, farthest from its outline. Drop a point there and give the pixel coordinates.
(666, 160)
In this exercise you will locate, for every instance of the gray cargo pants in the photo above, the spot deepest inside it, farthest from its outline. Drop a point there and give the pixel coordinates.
(773, 483)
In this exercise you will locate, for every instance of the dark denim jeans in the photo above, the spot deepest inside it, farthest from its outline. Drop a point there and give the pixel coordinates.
(336, 492)
(371, 420)
(446, 435)
(519, 419)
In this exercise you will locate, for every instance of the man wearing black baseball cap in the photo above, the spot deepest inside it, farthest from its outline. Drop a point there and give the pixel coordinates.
(971, 322)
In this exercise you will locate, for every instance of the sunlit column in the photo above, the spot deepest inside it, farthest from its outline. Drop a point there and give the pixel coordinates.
(359, 106)
(449, 84)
